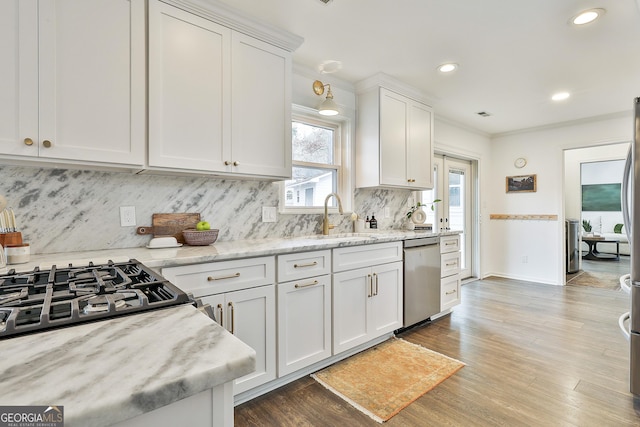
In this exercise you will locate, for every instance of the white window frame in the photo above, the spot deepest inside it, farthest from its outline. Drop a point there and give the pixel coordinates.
(342, 157)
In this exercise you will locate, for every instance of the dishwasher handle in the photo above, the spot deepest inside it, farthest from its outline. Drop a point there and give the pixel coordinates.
(423, 241)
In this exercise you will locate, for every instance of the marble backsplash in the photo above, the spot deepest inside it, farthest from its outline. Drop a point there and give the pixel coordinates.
(63, 210)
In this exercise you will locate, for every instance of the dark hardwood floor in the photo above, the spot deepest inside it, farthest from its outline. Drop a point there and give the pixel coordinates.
(536, 355)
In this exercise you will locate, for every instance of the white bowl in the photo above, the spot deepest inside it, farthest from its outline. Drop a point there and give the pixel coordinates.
(163, 242)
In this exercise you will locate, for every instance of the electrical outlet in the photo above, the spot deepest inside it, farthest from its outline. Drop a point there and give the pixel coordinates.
(127, 216)
(387, 212)
(268, 214)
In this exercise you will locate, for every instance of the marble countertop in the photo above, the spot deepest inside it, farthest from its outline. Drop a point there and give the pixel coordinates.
(108, 371)
(219, 251)
(152, 362)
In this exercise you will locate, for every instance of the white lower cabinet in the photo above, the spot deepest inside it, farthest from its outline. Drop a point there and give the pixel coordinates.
(250, 315)
(367, 302)
(450, 264)
(242, 294)
(304, 323)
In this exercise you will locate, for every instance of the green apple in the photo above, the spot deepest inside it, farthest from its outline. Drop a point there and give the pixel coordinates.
(202, 226)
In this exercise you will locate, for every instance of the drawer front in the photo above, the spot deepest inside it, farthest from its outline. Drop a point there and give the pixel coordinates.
(224, 276)
(449, 243)
(449, 264)
(300, 265)
(352, 257)
(450, 292)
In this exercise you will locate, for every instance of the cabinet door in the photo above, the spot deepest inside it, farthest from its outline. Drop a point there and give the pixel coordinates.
(18, 77)
(189, 90)
(419, 146)
(261, 108)
(351, 294)
(304, 323)
(92, 81)
(393, 138)
(252, 318)
(387, 300)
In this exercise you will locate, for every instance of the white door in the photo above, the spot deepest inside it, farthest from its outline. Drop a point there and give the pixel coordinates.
(260, 108)
(189, 90)
(453, 186)
(92, 107)
(253, 320)
(351, 290)
(304, 323)
(386, 303)
(18, 77)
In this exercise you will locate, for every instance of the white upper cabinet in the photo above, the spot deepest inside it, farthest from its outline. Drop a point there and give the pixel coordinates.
(394, 140)
(261, 108)
(219, 99)
(189, 90)
(72, 84)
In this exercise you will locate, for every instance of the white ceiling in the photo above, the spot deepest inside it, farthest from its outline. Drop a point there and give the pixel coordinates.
(513, 54)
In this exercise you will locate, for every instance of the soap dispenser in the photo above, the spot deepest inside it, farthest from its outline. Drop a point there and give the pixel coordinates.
(374, 222)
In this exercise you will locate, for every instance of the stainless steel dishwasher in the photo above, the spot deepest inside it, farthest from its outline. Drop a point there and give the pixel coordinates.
(421, 279)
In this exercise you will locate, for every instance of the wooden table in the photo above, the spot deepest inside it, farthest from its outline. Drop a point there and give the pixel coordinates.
(593, 253)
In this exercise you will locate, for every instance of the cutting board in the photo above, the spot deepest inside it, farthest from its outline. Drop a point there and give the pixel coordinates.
(170, 224)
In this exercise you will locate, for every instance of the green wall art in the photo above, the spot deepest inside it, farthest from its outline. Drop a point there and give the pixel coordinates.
(601, 197)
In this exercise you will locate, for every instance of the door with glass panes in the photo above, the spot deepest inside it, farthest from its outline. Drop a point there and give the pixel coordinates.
(452, 186)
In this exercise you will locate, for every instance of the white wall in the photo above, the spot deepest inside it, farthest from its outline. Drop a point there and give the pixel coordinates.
(534, 250)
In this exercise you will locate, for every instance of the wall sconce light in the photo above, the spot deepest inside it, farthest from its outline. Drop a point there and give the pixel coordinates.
(328, 106)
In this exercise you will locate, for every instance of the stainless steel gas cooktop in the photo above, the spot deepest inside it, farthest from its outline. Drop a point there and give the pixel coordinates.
(62, 296)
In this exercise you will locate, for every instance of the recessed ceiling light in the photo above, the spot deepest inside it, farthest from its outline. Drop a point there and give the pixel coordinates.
(560, 96)
(447, 68)
(587, 16)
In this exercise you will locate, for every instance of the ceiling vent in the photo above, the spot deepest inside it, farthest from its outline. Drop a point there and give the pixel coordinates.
(483, 114)
(326, 1)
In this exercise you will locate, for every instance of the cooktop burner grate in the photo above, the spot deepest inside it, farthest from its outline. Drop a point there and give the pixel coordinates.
(44, 299)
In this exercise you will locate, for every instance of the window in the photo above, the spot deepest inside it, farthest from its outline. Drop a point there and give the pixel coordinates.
(317, 168)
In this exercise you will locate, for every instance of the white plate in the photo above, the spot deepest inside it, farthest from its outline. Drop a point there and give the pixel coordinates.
(164, 247)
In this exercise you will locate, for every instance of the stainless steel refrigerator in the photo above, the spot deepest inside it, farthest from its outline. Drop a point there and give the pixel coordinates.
(631, 282)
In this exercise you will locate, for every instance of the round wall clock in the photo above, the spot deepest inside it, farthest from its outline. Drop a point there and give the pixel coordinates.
(520, 162)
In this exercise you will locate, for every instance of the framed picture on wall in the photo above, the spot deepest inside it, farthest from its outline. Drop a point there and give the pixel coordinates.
(521, 184)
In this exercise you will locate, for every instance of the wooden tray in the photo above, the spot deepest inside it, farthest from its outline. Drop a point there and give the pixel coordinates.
(170, 224)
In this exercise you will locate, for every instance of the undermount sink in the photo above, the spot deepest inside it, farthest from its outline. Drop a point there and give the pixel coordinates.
(340, 236)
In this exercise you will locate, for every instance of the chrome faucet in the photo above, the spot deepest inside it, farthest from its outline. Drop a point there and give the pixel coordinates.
(325, 222)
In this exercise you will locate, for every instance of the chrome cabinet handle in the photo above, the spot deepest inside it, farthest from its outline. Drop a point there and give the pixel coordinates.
(220, 320)
(298, 286)
(28, 141)
(47, 143)
(311, 264)
(450, 292)
(450, 264)
(233, 317)
(211, 278)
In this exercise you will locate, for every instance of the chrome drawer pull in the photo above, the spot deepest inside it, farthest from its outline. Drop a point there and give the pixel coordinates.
(311, 264)
(298, 286)
(450, 292)
(450, 264)
(449, 243)
(211, 278)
